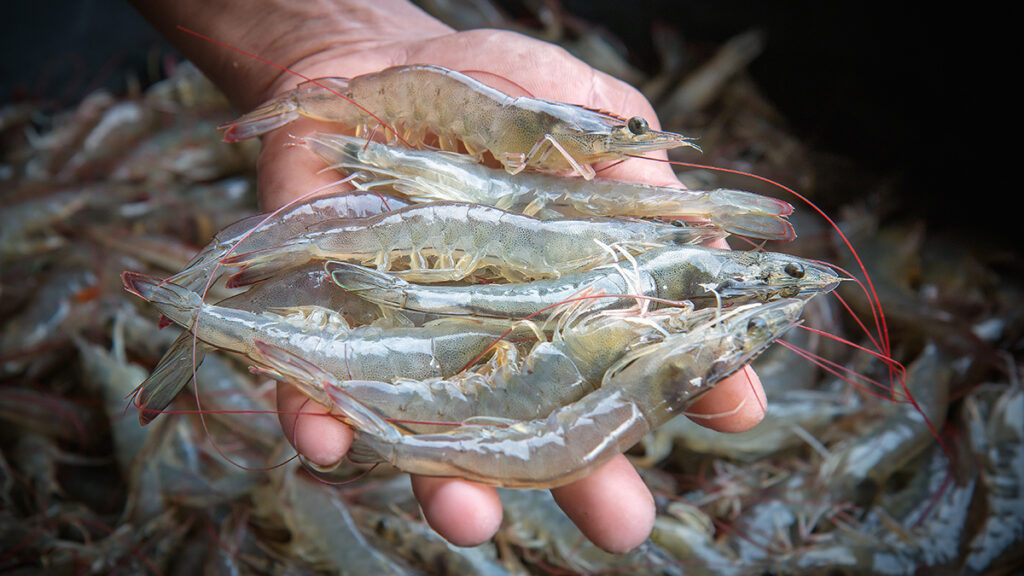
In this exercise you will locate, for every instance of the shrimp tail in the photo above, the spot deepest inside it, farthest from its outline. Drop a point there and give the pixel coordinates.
(750, 202)
(259, 265)
(751, 225)
(176, 302)
(324, 389)
(171, 375)
(270, 116)
(371, 285)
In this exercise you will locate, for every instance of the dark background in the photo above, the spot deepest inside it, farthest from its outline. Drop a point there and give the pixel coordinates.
(887, 84)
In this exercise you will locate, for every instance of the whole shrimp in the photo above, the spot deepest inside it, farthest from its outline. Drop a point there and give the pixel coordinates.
(436, 349)
(640, 392)
(519, 133)
(448, 241)
(307, 286)
(705, 276)
(553, 374)
(426, 176)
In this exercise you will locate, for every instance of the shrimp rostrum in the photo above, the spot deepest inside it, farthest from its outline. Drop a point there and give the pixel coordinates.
(519, 132)
(643, 390)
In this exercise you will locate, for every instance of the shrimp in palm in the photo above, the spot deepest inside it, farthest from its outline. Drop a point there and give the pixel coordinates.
(436, 349)
(425, 176)
(520, 133)
(553, 374)
(705, 276)
(447, 241)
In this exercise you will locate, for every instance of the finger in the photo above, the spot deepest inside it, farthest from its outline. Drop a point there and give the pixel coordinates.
(320, 438)
(612, 506)
(736, 404)
(465, 513)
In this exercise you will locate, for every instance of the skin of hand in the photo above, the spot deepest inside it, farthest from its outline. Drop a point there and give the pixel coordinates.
(612, 506)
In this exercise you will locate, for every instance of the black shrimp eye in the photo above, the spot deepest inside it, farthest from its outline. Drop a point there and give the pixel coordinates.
(795, 269)
(638, 125)
(757, 325)
(677, 223)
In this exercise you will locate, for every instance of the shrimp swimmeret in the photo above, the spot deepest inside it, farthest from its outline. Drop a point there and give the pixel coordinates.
(519, 132)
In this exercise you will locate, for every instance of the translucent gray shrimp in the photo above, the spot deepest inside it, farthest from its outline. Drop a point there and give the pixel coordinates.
(643, 390)
(535, 523)
(552, 375)
(426, 176)
(436, 349)
(519, 133)
(447, 241)
(864, 463)
(997, 441)
(705, 276)
(305, 286)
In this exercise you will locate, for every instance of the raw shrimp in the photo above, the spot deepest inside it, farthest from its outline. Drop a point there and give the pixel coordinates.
(858, 469)
(705, 276)
(426, 176)
(436, 349)
(552, 375)
(643, 390)
(322, 527)
(519, 132)
(536, 523)
(305, 286)
(459, 238)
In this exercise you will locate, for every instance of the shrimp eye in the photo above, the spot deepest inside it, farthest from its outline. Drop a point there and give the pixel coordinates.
(795, 269)
(757, 325)
(677, 223)
(638, 125)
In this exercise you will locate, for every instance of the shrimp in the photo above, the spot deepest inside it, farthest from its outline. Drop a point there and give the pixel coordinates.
(519, 133)
(425, 176)
(459, 238)
(553, 374)
(643, 390)
(536, 523)
(436, 349)
(705, 276)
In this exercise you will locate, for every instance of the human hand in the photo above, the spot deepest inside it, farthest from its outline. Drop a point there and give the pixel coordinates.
(612, 506)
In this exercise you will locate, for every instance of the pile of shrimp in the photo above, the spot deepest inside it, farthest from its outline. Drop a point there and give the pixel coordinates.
(444, 303)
